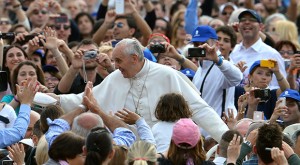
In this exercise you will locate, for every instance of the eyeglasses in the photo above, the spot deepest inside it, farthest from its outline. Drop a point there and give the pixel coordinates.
(36, 12)
(51, 79)
(225, 13)
(4, 22)
(248, 19)
(289, 52)
(160, 27)
(58, 26)
(119, 25)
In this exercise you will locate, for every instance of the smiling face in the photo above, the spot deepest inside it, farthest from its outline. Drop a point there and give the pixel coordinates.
(121, 29)
(51, 81)
(165, 60)
(293, 114)
(249, 27)
(13, 57)
(125, 63)
(261, 77)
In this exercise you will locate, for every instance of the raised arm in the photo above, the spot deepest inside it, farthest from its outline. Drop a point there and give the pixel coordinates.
(282, 82)
(108, 22)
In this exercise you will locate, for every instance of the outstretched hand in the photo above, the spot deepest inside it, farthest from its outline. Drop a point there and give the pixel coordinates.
(17, 153)
(89, 100)
(127, 116)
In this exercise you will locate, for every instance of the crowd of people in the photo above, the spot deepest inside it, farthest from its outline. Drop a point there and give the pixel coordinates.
(162, 82)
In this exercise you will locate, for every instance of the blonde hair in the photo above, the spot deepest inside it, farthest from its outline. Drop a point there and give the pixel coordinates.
(41, 154)
(287, 30)
(177, 16)
(141, 153)
(105, 49)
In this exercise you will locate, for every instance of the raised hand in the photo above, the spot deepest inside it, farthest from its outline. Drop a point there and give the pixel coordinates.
(128, 116)
(17, 153)
(103, 60)
(28, 92)
(229, 119)
(278, 156)
(52, 41)
(233, 150)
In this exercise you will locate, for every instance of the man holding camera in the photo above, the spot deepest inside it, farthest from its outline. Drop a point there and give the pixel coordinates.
(82, 70)
(216, 74)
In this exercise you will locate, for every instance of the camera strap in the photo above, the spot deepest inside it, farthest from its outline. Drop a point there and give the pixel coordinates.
(201, 89)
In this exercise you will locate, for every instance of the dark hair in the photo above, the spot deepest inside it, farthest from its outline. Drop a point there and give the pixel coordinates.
(82, 14)
(131, 24)
(66, 146)
(168, 29)
(14, 27)
(87, 42)
(172, 107)
(228, 30)
(99, 146)
(269, 136)
(37, 129)
(6, 49)
(14, 76)
(281, 43)
(73, 44)
(225, 140)
(175, 7)
(52, 112)
(97, 25)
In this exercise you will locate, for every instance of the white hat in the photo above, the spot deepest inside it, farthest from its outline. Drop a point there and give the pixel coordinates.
(291, 130)
(222, 7)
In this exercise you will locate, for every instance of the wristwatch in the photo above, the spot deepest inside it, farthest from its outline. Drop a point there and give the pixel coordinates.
(248, 143)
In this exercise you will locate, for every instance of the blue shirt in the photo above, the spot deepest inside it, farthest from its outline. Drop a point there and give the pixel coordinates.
(9, 136)
(121, 136)
(144, 131)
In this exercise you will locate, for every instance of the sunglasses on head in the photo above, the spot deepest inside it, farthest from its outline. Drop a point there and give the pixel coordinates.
(36, 12)
(119, 25)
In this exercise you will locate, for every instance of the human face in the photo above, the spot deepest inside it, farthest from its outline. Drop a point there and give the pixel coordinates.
(51, 81)
(261, 10)
(215, 23)
(25, 72)
(36, 59)
(286, 51)
(261, 77)
(91, 63)
(180, 33)
(50, 59)
(165, 60)
(73, 8)
(121, 29)
(293, 114)
(108, 35)
(39, 18)
(249, 28)
(270, 5)
(4, 25)
(85, 25)
(224, 43)
(157, 40)
(13, 57)
(124, 62)
(160, 27)
(63, 31)
(226, 13)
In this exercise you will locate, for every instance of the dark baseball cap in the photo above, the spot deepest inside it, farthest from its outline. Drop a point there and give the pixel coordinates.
(251, 12)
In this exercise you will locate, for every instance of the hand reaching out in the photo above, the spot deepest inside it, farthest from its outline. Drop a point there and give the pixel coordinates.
(128, 116)
(28, 92)
(233, 150)
(17, 153)
(229, 119)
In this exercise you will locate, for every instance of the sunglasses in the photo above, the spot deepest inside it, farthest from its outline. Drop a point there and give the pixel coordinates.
(248, 19)
(225, 13)
(160, 27)
(58, 27)
(119, 25)
(36, 12)
(4, 22)
(51, 79)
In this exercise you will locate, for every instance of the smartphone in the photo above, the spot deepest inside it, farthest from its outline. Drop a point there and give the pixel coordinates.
(283, 102)
(267, 63)
(263, 94)
(258, 115)
(196, 52)
(61, 19)
(120, 9)
(7, 162)
(3, 81)
(287, 63)
(7, 36)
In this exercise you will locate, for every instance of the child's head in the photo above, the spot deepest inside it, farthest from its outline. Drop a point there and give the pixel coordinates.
(171, 107)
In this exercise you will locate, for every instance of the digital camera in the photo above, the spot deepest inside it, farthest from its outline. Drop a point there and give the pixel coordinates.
(7, 36)
(157, 48)
(263, 94)
(90, 54)
(196, 52)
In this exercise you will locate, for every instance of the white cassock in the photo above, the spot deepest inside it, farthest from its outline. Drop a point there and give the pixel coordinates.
(141, 94)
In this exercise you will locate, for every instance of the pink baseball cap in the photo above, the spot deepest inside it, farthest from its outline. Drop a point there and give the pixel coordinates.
(185, 131)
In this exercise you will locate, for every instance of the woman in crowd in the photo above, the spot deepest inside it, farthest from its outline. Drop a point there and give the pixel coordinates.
(186, 145)
(178, 35)
(52, 77)
(142, 153)
(260, 77)
(98, 147)
(19, 77)
(85, 24)
(170, 108)
(287, 30)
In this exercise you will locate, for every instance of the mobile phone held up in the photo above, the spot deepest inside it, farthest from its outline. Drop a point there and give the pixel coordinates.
(196, 52)
(120, 7)
(258, 115)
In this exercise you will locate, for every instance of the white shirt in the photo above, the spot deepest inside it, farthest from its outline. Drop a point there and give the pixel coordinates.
(162, 132)
(219, 160)
(226, 76)
(258, 51)
(9, 113)
(113, 94)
